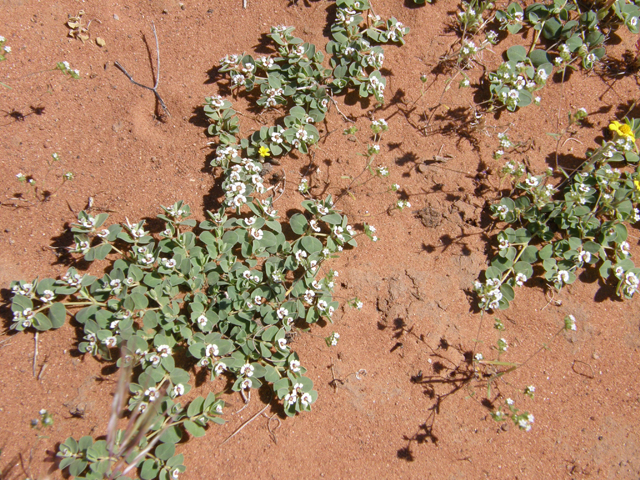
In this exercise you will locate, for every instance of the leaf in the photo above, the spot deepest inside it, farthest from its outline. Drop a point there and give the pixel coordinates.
(517, 53)
(172, 434)
(269, 334)
(150, 469)
(539, 57)
(551, 29)
(333, 219)
(195, 407)
(311, 244)
(492, 272)
(524, 98)
(299, 224)
(523, 267)
(529, 255)
(194, 429)
(57, 315)
(77, 467)
(507, 292)
(41, 322)
(165, 451)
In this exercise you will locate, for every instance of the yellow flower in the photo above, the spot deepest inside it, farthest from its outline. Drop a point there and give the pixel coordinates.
(264, 151)
(637, 184)
(622, 129)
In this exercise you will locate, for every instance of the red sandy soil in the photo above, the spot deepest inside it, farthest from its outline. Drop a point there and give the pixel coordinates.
(376, 416)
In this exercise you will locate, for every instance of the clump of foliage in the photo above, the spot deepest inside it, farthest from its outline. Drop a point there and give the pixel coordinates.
(580, 223)
(223, 294)
(4, 49)
(575, 34)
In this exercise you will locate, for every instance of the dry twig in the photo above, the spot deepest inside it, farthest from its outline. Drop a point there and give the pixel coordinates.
(245, 424)
(154, 89)
(35, 353)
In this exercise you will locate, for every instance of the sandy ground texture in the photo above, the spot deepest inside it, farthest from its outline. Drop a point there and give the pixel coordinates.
(397, 396)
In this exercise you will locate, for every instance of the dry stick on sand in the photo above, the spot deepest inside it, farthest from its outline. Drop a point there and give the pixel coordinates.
(245, 423)
(35, 353)
(154, 89)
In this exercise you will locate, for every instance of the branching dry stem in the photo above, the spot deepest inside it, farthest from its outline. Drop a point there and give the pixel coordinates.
(154, 89)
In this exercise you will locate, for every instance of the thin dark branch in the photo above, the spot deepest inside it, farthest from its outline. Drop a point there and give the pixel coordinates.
(153, 25)
(154, 89)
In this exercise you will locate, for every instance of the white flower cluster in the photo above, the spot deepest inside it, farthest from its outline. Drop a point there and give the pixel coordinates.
(296, 395)
(468, 49)
(396, 30)
(5, 48)
(511, 167)
(489, 293)
(628, 280)
(346, 16)
(332, 340)
(272, 100)
(136, 230)
(243, 180)
(524, 421)
(509, 80)
(376, 87)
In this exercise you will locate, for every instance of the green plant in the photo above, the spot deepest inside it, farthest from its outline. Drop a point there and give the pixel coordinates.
(297, 72)
(574, 32)
(40, 192)
(65, 68)
(494, 370)
(580, 223)
(222, 294)
(4, 49)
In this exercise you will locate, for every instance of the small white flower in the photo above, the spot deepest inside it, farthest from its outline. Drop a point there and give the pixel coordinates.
(520, 279)
(246, 383)
(294, 366)
(178, 390)
(247, 370)
(211, 350)
(47, 296)
(584, 256)
(631, 279)
(152, 393)
(510, 401)
(282, 343)
(532, 181)
(163, 350)
(562, 276)
(624, 248)
(305, 399)
(309, 295)
(257, 234)
(239, 200)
